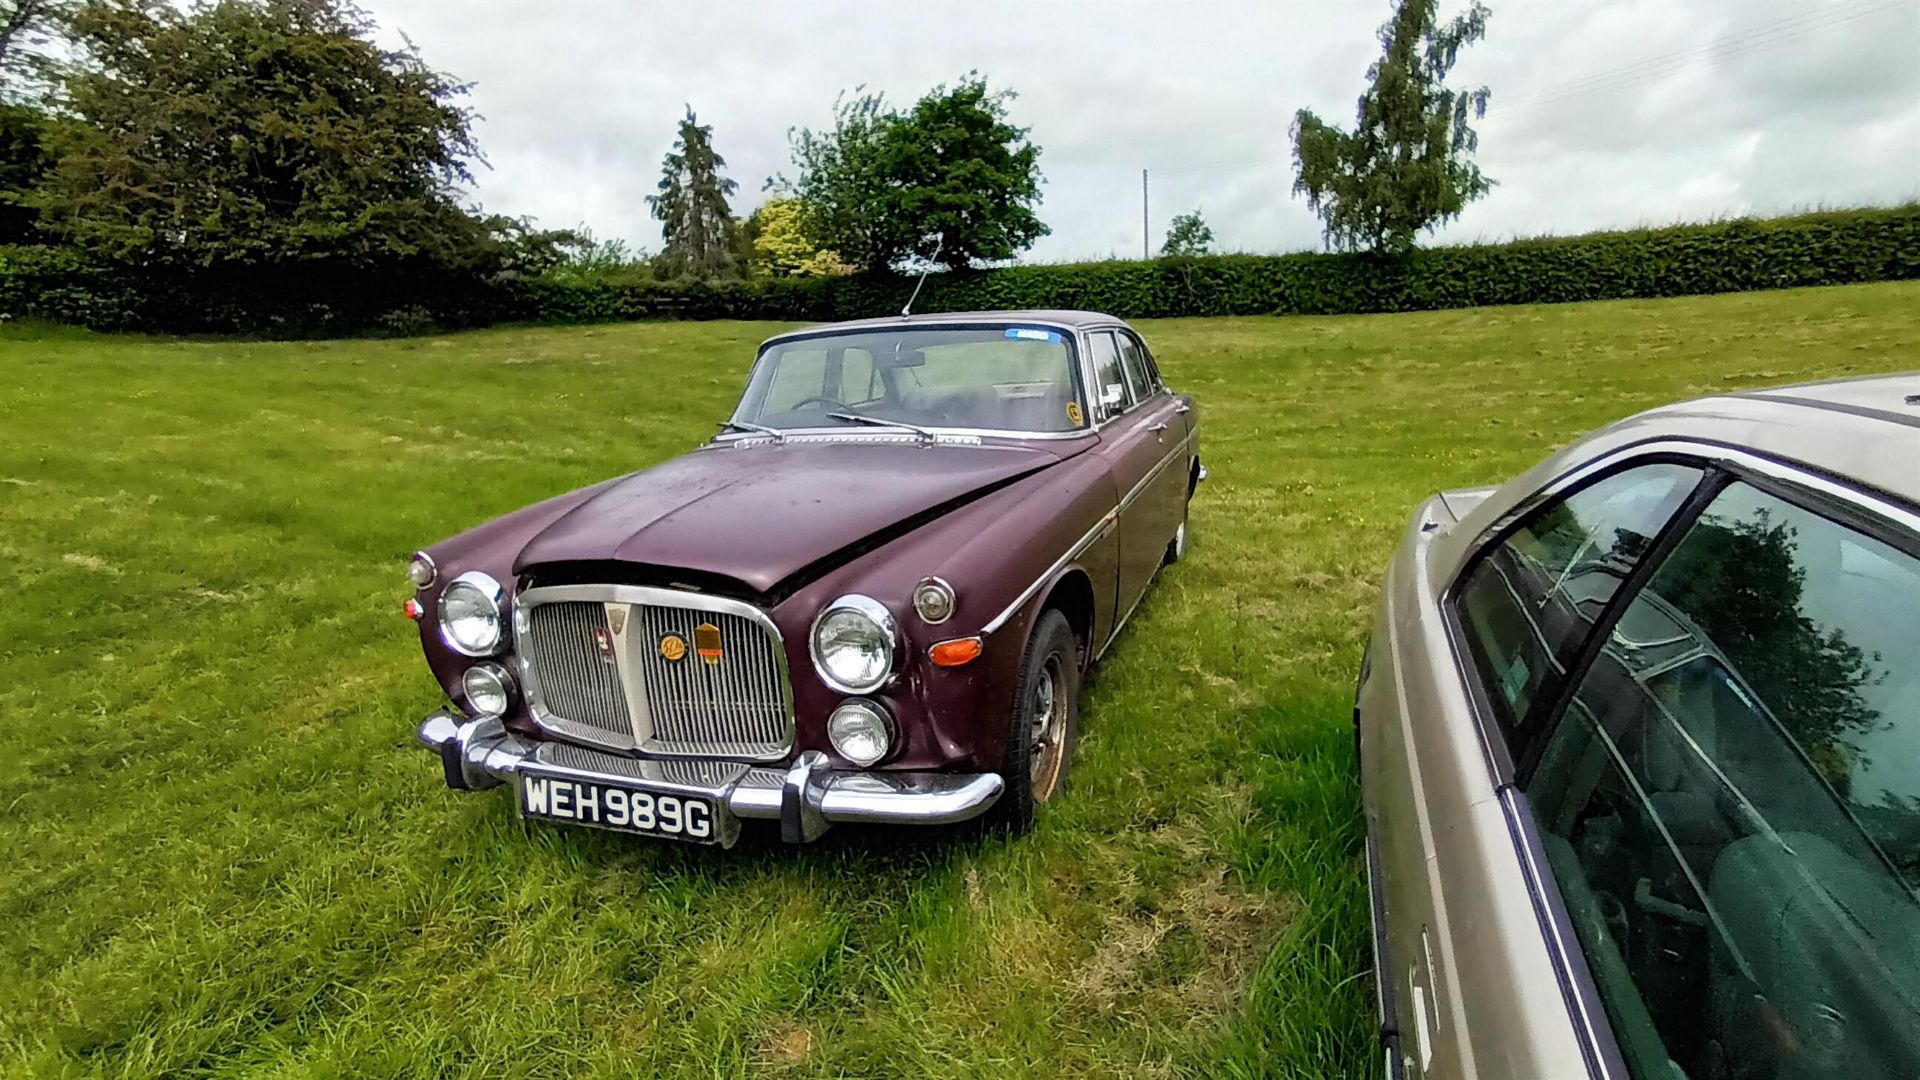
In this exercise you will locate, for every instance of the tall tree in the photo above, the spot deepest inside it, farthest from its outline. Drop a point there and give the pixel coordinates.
(1407, 165)
(30, 30)
(951, 175)
(692, 205)
(250, 132)
(1188, 235)
(840, 178)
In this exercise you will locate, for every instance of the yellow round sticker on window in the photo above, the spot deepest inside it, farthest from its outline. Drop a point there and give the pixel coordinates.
(1073, 413)
(673, 646)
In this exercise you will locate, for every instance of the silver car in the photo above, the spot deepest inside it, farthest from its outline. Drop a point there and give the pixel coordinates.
(1639, 735)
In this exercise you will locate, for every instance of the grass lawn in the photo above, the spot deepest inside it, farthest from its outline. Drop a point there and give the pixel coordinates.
(223, 854)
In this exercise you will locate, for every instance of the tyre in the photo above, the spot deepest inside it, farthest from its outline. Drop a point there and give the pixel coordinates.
(1043, 724)
(1177, 547)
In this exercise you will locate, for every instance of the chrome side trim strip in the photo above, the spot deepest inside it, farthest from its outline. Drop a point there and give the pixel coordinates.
(1100, 528)
(1178, 449)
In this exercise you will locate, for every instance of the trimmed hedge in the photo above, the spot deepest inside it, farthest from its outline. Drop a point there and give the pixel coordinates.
(1812, 249)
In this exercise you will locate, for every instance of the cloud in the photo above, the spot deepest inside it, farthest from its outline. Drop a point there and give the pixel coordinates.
(1603, 115)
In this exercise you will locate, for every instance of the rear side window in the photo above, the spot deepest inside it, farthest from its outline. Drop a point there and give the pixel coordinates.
(1111, 396)
(1134, 362)
(1731, 804)
(1528, 603)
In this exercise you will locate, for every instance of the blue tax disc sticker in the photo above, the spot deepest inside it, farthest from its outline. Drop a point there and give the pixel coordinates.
(1025, 334)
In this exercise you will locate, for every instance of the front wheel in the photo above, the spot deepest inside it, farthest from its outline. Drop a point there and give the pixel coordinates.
(1043, 725)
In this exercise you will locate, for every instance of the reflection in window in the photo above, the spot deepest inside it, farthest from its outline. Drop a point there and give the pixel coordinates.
(1732, 804)
(1528, 605)
(1109, 381)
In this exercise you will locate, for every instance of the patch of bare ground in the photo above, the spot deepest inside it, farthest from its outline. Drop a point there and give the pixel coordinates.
(786, 1045)
(1195, 952)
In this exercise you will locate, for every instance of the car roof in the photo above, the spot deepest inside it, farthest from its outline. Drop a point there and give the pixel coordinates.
(1061, 317)
(1862, 432)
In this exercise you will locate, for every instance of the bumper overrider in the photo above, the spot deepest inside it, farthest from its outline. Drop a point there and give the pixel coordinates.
(806, 797)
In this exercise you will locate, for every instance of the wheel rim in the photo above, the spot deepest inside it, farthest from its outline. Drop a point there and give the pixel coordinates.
(1180, 539)
(1047, 731)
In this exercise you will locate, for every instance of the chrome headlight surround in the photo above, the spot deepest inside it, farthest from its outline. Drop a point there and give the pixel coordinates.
(473, 598)
(485, 685)
(861, 731)
(838, 628)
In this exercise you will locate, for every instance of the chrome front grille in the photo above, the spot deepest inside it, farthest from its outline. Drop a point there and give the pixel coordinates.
(733, 705)
(576, 683)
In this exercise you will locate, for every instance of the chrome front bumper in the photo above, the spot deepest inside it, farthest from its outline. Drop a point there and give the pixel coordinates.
(806, 797)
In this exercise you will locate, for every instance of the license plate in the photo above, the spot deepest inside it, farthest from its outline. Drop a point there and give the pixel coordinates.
(624, 808)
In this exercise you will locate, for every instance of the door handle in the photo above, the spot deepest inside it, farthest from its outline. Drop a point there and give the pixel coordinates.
(1157, 427)
(1183, 408)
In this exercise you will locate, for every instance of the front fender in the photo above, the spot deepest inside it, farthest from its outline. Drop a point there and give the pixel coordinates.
(1000, 553)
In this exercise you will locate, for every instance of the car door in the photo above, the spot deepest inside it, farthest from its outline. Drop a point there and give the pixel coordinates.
(1729, 803)
(1464, 967)
(1133, 443)
(1168, 420)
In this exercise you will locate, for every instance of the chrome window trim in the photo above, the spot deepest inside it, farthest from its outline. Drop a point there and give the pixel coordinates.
(1594, 1030)
(638, 594)
(1077, 334)
(959, 436)
(1734, 464)
(485, 583)
(872, 609)
(1099, 529)
(1158, 387)
(1700, 453)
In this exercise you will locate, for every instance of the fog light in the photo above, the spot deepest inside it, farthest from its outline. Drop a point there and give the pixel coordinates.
(489, 689)
(860, 731)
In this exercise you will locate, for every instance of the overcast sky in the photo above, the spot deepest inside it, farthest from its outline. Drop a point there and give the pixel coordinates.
(1604, 114)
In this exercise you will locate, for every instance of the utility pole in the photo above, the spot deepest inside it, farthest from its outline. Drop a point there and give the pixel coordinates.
(1146, 237)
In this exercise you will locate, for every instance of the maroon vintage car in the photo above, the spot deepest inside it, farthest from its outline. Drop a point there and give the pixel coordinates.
(870, 598)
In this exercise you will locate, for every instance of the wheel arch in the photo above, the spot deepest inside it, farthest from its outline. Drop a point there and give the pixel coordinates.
(1071, 594)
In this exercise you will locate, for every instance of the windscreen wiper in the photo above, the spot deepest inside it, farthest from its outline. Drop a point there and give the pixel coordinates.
(742, 425)
(924, 433)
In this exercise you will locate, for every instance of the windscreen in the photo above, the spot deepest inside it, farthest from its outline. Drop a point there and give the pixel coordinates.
(1002, 378)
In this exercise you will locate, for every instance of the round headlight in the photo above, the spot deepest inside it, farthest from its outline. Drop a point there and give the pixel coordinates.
(853, 644)
(489, 689)
(861, 732)
(933, 599)
(421, 571)
(470, 614)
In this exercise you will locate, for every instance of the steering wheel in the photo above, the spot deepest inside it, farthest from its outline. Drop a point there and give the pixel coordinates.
(835, 402)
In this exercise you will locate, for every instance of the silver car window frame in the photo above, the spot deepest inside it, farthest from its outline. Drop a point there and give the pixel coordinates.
(1813, 490)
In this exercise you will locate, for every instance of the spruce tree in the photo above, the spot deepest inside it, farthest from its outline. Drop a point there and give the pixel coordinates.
(692, 205)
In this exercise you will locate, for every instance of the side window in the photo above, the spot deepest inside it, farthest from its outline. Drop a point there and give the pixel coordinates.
(1731, 805)
(1108, 377)
(1134, 362)
(1529, 603)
